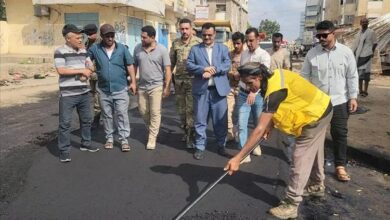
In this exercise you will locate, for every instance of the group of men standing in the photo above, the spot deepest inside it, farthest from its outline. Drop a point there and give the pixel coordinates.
(207, 85)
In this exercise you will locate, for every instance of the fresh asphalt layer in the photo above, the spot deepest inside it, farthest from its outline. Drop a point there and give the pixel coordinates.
(145, 184)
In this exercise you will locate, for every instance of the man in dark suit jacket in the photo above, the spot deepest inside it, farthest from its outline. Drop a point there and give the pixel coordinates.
(209, 63)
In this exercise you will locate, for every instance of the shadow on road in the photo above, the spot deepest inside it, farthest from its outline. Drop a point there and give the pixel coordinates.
(243, 181)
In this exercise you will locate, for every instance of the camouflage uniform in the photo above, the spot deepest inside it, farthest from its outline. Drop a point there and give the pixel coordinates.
(231, 98)
(183, 84)
(93, 83)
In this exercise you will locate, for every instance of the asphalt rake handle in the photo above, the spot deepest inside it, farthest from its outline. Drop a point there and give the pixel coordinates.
(210, 187)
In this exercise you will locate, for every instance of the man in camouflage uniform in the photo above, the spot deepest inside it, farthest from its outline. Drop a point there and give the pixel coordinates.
(184, 101)
(234, 78)
(92, 37)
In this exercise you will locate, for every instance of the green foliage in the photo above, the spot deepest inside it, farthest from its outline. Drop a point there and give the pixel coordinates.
(269, 27)
(3, 15)
(248, 25)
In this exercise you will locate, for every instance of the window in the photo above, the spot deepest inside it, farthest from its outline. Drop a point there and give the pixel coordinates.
(82, 19)
(221, 8)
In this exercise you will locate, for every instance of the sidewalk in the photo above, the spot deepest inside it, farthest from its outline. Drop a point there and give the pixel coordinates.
(369, 133)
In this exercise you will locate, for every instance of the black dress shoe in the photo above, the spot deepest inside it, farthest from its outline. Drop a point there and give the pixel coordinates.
(199, 154)
(222, 151)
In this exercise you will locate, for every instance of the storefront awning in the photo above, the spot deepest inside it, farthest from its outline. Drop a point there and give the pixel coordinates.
(154, 6)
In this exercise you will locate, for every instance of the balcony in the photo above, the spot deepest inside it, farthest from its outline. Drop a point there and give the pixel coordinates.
(154, 6)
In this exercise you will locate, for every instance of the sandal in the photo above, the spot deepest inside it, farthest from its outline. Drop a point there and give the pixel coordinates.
(108, 145)
(125, 147)
(342, 174)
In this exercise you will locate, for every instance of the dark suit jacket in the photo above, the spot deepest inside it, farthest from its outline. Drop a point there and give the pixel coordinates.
(198, 59)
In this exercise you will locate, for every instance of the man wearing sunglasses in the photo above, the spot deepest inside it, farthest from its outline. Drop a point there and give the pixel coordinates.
(331, 66)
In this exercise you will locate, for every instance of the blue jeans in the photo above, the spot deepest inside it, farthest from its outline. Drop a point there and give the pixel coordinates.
(115, 103)
(66, 106)
(244, 111)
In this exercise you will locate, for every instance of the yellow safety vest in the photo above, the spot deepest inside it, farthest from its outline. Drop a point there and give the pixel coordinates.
(304, 104)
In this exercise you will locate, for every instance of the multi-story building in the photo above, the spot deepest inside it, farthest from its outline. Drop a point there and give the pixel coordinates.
(349, 12)
(235, 11)
(34, 26)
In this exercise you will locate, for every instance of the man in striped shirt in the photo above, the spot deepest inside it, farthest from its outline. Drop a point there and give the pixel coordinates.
(69, 61)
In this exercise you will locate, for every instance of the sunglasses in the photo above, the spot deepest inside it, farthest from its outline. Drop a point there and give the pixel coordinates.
(324, 35)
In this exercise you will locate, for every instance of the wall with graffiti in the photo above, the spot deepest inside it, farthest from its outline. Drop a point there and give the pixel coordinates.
(38, 35)
(120, 31)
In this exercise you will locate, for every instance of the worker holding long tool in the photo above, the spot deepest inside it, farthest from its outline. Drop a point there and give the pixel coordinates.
(296, 107)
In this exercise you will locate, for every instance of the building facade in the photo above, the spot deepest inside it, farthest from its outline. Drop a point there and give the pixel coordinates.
(34, 26)
(235, 11)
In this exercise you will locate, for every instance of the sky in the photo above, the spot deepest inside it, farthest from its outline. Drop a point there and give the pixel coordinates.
(285, 12)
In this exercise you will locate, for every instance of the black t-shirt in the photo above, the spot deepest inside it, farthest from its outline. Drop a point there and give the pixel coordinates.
(272, 102)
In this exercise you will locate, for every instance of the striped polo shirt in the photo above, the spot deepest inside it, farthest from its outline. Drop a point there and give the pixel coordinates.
(67, 57)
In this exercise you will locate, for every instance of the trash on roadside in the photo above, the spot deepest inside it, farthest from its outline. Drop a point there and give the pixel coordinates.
(359, 190)
(337, 194)
(40, 76)
(335, 214)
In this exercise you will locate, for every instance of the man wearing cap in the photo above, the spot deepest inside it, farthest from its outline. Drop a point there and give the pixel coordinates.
(92, 37)
(69, 61)
(303, 113)
(113, 63)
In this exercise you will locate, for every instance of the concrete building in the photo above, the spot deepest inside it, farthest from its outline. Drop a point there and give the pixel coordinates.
(349, 12)
(34, 26)
(235, 11)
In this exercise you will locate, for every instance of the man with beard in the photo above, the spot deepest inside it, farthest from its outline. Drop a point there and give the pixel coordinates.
(209, 63)
(154, 65)
(178, 54)
(331, 66)
(364, 47)
(113, 64)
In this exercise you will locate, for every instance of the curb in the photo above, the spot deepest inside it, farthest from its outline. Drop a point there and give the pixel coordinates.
(371, 155)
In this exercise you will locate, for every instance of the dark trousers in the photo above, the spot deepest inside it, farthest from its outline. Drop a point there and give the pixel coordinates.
(67, 104)
(339, 132)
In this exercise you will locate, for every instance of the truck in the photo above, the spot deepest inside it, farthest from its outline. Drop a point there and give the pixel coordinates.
(223, 29)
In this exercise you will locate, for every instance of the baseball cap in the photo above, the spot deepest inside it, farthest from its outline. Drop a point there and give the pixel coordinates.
(68, 28)
(106, 28)
(90, 29)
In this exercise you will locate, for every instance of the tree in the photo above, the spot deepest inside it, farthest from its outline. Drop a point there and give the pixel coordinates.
(269, 27)
(3, 16)
(248, 25)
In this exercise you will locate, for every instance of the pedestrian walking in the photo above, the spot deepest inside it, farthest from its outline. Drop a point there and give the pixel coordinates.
(238, 39)
(363, 48)
(250, 103)
(69, 61)
(183, 81)
(113, 64)
(304, 113)
(209, 63)
(90, 31)
(154, 65)
(331, 67)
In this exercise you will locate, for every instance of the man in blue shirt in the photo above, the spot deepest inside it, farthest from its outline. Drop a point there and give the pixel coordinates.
(113, 63)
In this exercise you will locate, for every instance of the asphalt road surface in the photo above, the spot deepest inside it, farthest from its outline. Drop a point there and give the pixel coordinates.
(155, 184)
